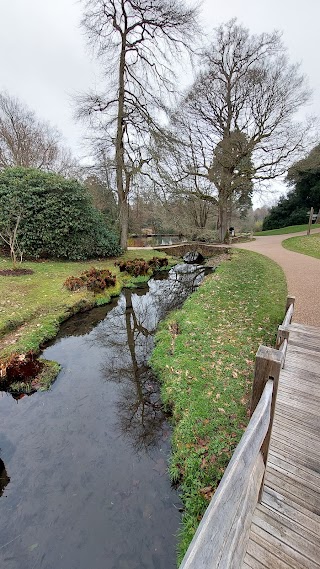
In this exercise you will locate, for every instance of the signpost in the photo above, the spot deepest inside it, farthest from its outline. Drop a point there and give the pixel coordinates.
(310, 221)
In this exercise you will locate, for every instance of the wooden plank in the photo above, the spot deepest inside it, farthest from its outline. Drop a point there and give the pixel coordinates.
(212, 533)
(293, 361)
(308, 419)
(295, 418)
(291, 471)
(297, 442)
(298, 454)
(272, 553)
(304, 390)
(287, 534)
(295, 492)
(305, 354)
(303, 328)
(245, 566)
(234, 548)
(285, 434)
(299, 375)
(288, 464)
(292, 510)
(276, 545)
(285, 524)
(299, 404)
(300, 428)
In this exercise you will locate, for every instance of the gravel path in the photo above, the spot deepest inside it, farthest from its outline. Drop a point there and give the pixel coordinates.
(302, 273)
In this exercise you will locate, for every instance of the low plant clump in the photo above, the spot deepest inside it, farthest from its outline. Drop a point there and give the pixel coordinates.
(140, 267)
(33, 306)
(204, 357)
(26, 373)
(94, 280)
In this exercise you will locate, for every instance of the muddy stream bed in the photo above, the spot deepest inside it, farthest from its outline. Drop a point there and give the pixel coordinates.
(83, 467)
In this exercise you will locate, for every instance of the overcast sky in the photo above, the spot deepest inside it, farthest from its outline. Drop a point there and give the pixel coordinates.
(44, 59)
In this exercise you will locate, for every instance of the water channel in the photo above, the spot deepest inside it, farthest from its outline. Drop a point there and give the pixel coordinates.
(83, 467)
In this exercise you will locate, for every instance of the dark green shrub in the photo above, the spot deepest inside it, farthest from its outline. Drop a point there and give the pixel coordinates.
(58, 219)
(94, 280)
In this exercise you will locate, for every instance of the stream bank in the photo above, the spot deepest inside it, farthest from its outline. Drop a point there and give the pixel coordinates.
(86, 462)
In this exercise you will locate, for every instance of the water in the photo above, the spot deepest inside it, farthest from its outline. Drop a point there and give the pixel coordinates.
(154, 240)
(83, 469)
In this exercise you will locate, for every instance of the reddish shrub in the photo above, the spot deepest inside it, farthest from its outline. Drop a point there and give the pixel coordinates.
(95, 280)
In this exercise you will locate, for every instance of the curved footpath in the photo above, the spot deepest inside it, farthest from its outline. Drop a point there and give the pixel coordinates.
(302, 274)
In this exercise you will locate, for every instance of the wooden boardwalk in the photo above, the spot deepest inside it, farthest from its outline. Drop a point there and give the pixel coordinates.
(285, 530)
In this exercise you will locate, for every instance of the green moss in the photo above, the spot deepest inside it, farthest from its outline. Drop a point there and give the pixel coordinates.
(204, 356)
(48, 374)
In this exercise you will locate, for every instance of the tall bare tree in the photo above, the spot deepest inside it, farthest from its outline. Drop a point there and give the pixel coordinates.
(26, 141)
(236, 125)
(137, 42)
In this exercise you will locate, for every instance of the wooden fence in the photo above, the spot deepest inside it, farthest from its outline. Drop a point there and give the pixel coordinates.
(221, 539)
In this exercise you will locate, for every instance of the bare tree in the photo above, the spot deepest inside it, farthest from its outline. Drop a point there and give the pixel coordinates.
(28, 142)
(136, 41)
(237, 124)
(10, 217)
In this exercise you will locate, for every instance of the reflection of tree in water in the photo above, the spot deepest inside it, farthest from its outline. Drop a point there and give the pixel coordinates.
(128, 333)
(4, 478)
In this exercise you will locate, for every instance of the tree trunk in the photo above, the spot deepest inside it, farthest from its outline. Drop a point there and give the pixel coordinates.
(120, 165)
(124, 223)
(223, 229)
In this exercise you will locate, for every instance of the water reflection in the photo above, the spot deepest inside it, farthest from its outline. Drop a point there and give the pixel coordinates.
(4, 478)
(80, 495)
(128, 330)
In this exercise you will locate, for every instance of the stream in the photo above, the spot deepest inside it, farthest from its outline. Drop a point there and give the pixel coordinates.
(83, 467)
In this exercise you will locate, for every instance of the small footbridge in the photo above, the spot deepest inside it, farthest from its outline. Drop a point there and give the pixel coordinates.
(265, 513)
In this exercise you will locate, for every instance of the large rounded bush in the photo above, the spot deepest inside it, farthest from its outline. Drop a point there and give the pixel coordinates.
(58, 219)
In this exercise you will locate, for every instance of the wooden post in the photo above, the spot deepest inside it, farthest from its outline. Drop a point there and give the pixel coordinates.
(268, 366)
(310, 221)
(290, 300)
(283, 334)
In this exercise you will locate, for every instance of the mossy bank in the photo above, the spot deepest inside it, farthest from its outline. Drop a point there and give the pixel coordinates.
(204, 356)
(33, 306)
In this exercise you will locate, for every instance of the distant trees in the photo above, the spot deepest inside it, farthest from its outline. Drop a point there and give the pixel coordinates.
(29, 142)
(236, 125)
(51, 217)
(304, 178)
(137, 42)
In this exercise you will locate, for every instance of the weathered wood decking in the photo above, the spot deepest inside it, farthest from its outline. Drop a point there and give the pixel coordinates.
(285, 530)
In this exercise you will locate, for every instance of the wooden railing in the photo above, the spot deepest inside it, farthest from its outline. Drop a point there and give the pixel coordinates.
(221, 539)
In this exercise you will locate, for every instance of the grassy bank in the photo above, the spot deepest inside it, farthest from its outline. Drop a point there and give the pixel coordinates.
(306, 244)
(204, 356)
(33, 306)
(286, 230)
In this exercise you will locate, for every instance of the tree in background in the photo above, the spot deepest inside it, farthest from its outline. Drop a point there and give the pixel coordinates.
(138, 43)
(57, 219)
(304, 179)
(28, 142)
(236, 125)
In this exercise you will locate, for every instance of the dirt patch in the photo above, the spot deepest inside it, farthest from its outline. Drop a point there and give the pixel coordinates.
(15, 272)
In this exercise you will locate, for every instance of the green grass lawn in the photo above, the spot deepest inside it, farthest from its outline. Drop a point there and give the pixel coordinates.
(289, 229)
(33, 306)
(204, 356)
(306, 244)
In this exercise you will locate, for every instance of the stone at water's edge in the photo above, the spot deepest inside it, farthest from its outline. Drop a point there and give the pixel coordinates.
(193, 257)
